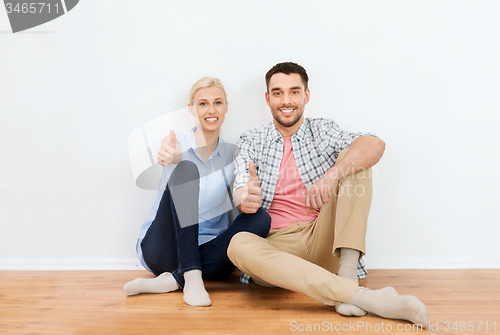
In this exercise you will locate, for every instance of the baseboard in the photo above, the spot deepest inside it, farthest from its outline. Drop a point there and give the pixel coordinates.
(371, 263)
(432, 263)
(67, 265)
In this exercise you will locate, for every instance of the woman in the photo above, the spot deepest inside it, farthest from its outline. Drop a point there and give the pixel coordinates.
(186, 234)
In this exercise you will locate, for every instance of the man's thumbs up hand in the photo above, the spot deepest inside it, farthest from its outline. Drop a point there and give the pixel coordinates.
(251, 192)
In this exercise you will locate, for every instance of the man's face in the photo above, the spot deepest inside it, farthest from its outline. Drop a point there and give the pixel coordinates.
(287, 99)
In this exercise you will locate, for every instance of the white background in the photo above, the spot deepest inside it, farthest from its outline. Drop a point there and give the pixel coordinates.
(422, 75)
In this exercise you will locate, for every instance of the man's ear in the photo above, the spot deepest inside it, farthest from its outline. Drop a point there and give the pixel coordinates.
(267, 99)
(308, 95)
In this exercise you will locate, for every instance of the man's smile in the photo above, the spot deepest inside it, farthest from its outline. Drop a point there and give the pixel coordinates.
(287, 111)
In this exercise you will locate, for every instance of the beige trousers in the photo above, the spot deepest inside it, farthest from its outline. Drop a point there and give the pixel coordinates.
(304, 257)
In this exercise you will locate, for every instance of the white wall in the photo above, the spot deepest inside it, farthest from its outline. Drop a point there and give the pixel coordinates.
(423, 75)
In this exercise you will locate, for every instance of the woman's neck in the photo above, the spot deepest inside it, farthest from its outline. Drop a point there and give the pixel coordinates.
(206, 141)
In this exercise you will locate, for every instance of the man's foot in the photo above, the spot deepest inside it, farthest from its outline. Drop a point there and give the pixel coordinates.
(349, 269)
(162, 284)
(194, 289)
(347, 309)
(387, 303)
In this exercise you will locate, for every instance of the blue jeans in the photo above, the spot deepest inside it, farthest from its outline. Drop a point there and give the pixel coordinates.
(168, 247)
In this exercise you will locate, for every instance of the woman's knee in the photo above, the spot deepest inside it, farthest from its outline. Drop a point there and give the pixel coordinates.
(263, 222)
(184, 172)
(258, 223)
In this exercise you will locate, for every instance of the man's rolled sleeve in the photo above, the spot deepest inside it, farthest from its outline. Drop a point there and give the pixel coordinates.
(243, 155)
(340, 139)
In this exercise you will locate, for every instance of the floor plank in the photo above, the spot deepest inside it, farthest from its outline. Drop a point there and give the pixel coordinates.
(93, 302)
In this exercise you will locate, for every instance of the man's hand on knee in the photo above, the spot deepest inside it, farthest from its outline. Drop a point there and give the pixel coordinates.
(319, 193)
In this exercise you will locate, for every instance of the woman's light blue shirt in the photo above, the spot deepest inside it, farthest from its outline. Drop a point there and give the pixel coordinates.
(213, 200)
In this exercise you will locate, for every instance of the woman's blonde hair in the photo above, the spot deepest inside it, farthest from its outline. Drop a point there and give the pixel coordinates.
(204, 83)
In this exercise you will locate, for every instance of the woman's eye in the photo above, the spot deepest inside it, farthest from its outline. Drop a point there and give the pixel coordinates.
(218, 102)
(203, 103)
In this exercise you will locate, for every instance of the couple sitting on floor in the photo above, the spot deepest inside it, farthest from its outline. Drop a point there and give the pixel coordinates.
(303, 187)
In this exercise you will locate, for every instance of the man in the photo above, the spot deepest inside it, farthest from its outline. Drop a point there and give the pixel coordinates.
(318, 199)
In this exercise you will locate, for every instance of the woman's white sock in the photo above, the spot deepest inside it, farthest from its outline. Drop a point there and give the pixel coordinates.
(194, 289)
(162, 284)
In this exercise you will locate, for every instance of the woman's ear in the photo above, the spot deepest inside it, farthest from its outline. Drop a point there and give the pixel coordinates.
(191, 109)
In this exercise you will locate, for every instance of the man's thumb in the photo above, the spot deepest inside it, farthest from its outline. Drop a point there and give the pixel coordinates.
(173, 139)
(253, 170)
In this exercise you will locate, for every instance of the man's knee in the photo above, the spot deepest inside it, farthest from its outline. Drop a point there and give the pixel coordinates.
(367, 173)
(341, 155)
(239, 244)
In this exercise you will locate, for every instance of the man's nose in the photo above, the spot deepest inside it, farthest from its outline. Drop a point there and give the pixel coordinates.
(286, 99)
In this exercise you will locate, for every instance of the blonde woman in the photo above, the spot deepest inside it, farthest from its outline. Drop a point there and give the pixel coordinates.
(184, 240)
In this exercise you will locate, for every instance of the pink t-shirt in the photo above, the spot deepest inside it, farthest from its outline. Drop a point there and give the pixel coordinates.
(288, 204)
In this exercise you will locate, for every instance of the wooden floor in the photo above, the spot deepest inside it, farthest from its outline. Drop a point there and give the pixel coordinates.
(93, 302)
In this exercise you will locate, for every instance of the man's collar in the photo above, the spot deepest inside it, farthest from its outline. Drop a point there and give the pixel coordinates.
(302, 131)
(300, 134)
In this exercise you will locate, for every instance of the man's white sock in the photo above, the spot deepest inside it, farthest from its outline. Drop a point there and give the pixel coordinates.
(162, 284)
(194, 289)
(349, 269)
(387, 303)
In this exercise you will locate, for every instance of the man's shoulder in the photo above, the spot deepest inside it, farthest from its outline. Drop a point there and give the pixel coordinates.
(258, 133)
(320, 125)
(320, 122)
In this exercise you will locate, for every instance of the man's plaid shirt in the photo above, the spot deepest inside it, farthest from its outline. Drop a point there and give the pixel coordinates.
(316, 145)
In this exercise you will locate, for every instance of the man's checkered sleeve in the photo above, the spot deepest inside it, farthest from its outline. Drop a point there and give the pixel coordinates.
(243, 154)
(340, 139)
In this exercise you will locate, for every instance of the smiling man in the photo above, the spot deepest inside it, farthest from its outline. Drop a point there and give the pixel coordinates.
(314, 179)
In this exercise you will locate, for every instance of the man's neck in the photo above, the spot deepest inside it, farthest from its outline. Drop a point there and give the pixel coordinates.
(288, 131)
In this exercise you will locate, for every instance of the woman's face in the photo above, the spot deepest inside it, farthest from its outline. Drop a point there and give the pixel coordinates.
(210, 108)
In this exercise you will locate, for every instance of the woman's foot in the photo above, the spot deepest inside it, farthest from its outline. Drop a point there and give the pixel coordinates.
(194, 289)
(162, 284)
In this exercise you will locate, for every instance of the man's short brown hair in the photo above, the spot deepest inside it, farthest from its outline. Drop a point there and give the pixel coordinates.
(287, 68)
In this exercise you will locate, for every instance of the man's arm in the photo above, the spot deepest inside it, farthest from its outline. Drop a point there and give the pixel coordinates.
(364, 152)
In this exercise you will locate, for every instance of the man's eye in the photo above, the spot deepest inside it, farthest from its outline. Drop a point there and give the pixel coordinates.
(277, 93)
(295, 92)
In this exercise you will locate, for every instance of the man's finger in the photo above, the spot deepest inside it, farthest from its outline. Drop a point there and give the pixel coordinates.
(325, 198)
(253, 170)
(253, 198)
(173, 139)
(312, 202)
